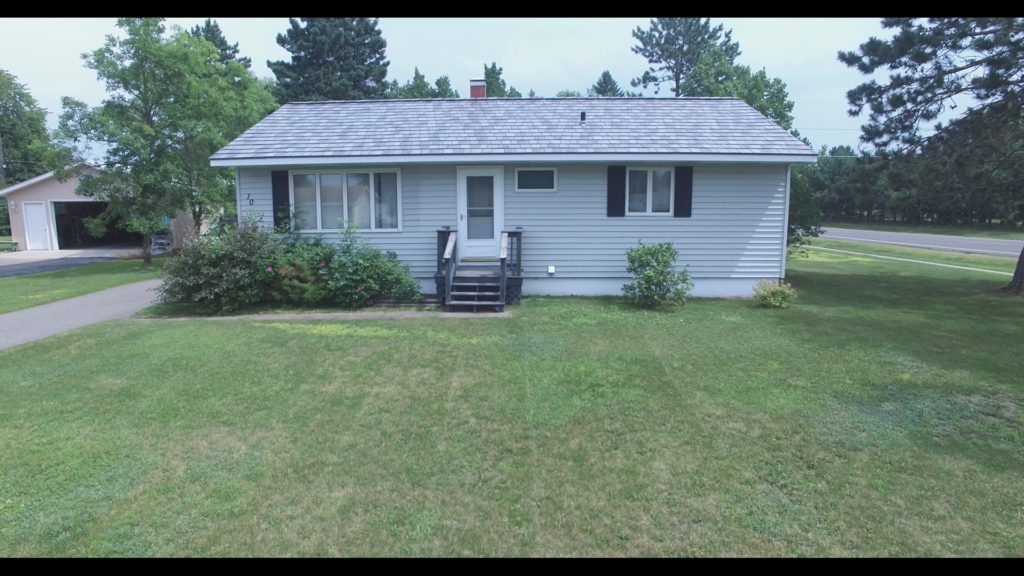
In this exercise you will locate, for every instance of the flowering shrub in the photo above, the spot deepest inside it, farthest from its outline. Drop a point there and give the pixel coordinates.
(655, 281)
(774, 295)
(222, 272)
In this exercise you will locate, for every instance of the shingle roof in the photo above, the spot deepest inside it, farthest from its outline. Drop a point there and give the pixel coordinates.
(367, 128)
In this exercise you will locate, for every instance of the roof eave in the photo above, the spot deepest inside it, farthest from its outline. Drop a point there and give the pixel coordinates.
(810, 157)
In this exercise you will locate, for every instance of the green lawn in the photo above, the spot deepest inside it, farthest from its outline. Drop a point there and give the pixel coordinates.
(984, 262)
(980, 231)
(880, 416)
(20, 292)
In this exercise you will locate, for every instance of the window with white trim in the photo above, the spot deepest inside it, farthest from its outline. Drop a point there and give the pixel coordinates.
(536, 179)
(324, 201)
(649, 191)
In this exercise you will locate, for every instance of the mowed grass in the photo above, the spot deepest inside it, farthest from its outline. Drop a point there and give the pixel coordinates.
(979, 231)
(879, 416)
(20, 292)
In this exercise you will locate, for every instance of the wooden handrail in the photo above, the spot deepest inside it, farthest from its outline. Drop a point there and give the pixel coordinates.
(450, 247)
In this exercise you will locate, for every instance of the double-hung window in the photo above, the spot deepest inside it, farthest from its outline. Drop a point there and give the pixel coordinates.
(649, 191)
(325, 201)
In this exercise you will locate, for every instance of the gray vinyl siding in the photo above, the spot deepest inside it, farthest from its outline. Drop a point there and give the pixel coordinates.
(737, 229)
(254, 183)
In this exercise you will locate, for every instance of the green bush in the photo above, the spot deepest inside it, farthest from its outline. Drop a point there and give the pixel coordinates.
(655, 280)
(360, 275)
(236, 268)
(302, 271)
(224, 272)
(774, 295)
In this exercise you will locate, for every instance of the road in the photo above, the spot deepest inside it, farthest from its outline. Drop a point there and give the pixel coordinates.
(965, 244)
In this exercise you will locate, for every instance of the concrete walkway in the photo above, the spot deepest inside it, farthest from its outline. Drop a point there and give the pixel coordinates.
(123, 302)
(39, 322)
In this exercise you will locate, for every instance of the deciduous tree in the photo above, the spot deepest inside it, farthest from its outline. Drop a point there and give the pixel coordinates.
(24, 141)
(170, 104)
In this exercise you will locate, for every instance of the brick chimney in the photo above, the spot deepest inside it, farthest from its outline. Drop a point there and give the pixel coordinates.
(478, 88)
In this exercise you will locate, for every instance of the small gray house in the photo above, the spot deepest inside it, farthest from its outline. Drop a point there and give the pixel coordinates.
(530, 196)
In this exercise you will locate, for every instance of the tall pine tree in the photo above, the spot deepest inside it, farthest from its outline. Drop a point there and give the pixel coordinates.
(211, 32)
(332, 59)
(606, 87)
(673, 47)
(932, 63)
(496, 87)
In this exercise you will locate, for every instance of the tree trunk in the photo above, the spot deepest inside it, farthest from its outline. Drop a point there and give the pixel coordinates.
(1016, 285)
(197, 220)
(147, 249)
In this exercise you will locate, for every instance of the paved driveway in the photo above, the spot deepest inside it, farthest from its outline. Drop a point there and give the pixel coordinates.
(965, 244)
(39, 322)
(33, 261)
(20, 268)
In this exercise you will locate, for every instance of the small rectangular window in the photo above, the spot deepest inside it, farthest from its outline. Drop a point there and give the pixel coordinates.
(535, 179)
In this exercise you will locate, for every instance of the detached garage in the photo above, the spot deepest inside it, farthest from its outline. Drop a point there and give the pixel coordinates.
(46, 214)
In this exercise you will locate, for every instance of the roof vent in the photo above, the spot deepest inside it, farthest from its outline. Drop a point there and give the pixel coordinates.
(583, 117)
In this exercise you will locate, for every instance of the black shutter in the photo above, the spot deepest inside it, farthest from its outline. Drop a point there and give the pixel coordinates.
(616, 191)
(282, 205)
(684, 192)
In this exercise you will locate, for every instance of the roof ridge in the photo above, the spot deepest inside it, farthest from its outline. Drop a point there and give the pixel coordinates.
(506, 99)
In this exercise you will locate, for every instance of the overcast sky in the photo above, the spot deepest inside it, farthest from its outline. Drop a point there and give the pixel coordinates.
(545, 55)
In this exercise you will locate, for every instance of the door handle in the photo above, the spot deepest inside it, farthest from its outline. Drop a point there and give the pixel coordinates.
(462, 217)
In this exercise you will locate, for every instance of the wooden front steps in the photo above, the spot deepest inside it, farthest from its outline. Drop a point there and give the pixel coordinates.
(474, 289)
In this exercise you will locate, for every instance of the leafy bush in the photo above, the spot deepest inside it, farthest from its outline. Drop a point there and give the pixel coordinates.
(302, 271)
(774, 295)
(655, 281)
(223, 272)
(360, 275)
(227, 271)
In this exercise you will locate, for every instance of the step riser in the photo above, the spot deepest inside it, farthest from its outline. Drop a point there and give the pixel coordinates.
(475, 289)
(471, 307)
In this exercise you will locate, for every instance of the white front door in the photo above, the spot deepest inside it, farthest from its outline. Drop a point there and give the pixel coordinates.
(35, 226)
(481, 211)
